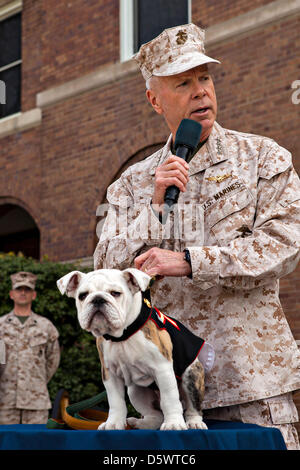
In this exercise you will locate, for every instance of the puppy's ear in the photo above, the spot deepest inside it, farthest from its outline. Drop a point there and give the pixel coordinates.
(69, 283)
(136, 279)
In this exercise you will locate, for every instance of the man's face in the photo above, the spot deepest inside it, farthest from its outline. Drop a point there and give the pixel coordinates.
(22, 296)
(189, 95)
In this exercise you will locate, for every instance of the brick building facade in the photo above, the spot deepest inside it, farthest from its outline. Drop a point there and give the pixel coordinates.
(84, 116)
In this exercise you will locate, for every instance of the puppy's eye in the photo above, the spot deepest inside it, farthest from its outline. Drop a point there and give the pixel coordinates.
(83, 295)
(115, 293)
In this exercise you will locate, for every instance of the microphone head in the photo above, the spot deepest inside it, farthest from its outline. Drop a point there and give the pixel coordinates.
(188, 134)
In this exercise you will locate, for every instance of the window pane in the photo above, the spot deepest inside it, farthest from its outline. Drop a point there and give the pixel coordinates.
(12, 80)
(153, 16)
(10, 40)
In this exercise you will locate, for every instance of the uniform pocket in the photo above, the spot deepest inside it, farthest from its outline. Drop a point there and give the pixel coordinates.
(38, 340)
(38, 345)
(283, 411)
(231, 216)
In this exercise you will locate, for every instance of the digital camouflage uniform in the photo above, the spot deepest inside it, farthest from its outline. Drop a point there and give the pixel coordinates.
(2, 352)
(32, 357)
(245, 199)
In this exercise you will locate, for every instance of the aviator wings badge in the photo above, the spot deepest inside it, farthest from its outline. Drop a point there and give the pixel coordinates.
(219, 178)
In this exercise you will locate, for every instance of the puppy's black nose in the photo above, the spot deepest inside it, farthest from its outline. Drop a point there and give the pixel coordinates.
(98, 301)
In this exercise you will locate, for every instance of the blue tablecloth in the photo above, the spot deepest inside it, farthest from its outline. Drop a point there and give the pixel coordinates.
(221, 435)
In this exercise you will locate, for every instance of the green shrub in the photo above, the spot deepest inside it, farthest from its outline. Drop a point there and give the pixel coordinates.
(79, 371)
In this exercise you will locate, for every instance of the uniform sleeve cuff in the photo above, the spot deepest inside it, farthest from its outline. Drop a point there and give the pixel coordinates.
(205, 263)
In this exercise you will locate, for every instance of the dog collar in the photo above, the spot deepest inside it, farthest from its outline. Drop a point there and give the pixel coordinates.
(138, 323)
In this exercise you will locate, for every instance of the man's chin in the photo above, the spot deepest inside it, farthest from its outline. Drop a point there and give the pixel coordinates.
(208, 117)
(207, 125)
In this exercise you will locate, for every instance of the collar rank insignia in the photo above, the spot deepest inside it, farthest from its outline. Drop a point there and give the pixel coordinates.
(219, 178)
(147, 303)
(219, 145)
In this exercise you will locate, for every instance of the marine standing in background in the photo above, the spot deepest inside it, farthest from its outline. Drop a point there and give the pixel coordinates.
(32, 357)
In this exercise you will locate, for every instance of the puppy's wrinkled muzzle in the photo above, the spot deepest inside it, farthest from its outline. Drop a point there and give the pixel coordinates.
(101, 315)
(97, 314)
(96, 320)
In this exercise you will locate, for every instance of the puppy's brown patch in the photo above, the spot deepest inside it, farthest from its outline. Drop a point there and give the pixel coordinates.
(160, 338)
(193, 381)
(104, 370)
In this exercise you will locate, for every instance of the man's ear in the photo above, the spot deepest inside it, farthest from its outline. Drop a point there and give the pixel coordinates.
(137, 280)
(69, 283)
(154, 100)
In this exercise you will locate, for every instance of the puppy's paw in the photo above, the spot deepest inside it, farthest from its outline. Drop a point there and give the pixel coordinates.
(145, 423)
(110, 425)
(174, 424)
(196, 422)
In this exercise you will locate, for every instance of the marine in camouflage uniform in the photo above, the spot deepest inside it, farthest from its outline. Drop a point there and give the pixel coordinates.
(32, 357)
(242, 210)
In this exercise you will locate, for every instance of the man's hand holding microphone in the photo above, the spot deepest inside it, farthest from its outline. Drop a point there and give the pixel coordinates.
(170, 178)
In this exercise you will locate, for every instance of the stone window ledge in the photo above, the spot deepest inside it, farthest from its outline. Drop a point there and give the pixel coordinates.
(20, 122)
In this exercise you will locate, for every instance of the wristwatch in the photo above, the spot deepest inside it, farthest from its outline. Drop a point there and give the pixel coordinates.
(187, 258)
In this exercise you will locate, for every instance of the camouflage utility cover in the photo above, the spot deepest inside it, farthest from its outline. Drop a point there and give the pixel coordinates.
(242, 210)
(32, 357)
(23, 278)
(174, 51)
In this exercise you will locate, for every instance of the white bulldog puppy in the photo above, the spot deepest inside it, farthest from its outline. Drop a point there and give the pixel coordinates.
(136, 350)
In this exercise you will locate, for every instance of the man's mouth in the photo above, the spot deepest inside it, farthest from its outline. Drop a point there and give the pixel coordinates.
(201, 110)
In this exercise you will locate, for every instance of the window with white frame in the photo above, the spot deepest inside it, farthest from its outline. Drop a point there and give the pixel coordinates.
(142, 20)
(10, 65)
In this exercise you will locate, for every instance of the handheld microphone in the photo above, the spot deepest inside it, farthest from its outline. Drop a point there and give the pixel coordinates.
(186, 140)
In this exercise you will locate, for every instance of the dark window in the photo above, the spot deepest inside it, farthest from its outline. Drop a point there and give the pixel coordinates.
(153, 16)
(10, 65)
(18, 231)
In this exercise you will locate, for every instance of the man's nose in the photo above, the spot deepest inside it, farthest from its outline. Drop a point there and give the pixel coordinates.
(198, 90)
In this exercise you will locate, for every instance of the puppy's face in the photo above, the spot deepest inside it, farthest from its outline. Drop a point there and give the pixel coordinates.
(107, 300)
(102, 301)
